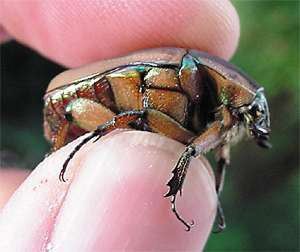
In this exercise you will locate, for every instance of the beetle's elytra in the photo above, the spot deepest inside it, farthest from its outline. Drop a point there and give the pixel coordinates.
(197, 99)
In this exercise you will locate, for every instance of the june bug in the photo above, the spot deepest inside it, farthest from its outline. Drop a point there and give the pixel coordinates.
(195, 98)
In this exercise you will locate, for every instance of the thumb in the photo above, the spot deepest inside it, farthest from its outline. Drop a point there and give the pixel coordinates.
(114, 199)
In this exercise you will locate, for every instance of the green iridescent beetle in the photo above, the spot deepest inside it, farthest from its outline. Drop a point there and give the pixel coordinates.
(197, 99)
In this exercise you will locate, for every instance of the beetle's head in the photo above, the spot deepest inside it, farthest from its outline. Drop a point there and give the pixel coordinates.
(256, 117)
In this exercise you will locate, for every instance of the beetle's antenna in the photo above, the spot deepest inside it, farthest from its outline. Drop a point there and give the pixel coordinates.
(77, 148)
(188, 225)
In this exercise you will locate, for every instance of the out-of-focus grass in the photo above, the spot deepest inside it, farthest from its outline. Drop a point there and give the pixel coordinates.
(261, 196)
(269, 44)
(24, 79)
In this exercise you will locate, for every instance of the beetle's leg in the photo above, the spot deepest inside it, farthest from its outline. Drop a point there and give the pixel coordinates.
(122, 120)
(202, 144)
(220, 218)
(175, 183)
(173, 206)
(163, 124)
(223, 159)
(87, 114)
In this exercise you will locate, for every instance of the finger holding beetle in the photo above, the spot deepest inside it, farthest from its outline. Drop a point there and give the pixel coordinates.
(113, 196)
(72, 33)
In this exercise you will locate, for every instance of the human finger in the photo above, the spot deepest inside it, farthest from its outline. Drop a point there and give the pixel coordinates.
(10, 179)
(3, 35)
(74, 33)
(113, 199)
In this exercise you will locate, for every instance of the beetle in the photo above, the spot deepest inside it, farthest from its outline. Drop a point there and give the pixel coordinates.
(195, 98)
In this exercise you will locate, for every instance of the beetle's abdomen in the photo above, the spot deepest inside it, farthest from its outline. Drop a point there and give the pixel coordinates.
(149, 88)
(126, 87)
(163, 93)
(157, 88)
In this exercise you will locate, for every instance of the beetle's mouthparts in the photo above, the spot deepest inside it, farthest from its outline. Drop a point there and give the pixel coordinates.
(258, 129)
(261, 136)
(263, 142)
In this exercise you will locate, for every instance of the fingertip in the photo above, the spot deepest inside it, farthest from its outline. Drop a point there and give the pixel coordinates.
(113, 199)
(30, 212)
(224, 40)
(117, 198)
(4, 36)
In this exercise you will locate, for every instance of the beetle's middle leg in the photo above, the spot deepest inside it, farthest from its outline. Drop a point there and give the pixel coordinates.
(208, 140)
(122, 120)
(176, 182)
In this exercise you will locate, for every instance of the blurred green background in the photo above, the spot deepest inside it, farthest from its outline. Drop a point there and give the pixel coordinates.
(261, 195)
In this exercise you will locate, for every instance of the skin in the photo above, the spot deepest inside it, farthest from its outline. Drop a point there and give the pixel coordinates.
(111, 201)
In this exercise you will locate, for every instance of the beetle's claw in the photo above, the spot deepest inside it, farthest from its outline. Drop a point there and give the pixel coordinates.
(173, 206)
(220, 219)
(219, 229)
(61, 176)
(190, 225)
(63, 170)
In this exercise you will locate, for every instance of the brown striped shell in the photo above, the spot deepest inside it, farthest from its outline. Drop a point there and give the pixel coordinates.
(167, 80)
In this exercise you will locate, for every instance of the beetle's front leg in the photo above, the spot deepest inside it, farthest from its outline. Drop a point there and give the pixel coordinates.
(84, 113)
(208, 140)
